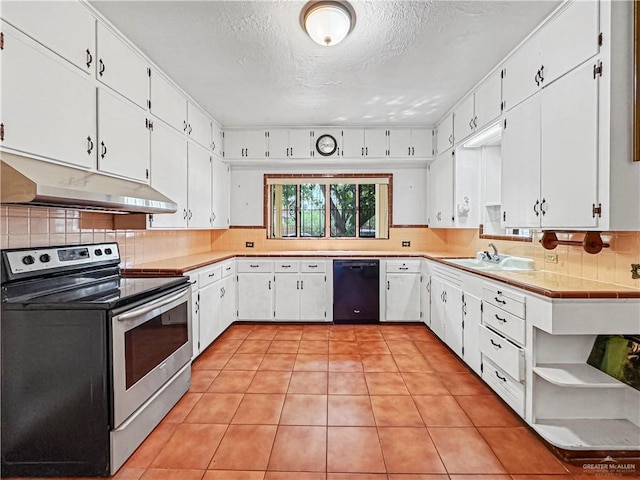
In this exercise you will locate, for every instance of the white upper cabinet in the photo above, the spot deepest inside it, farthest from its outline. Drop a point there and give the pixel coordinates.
(300, 143)
(278, 143)
(521, 74)
(352, 143)
(487, 101)
(400, 143)
(167, 103)
(169, 173)
(441, 179)
(198, 126)
(234, 144)
(72, 39)
(463, 119)
(199, 195)
(121, 68)
(410, 143)
(220, 194)
(48, 105)
(444, 135)
(422, 142)
(123, 138)
(217, 141)
(245, 144)
(376, 142)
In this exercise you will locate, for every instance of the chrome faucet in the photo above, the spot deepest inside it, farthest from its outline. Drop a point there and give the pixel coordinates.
(487, 256)
(495, 250)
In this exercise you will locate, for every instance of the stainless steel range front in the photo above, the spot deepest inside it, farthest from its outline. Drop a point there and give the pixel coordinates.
(91, 361)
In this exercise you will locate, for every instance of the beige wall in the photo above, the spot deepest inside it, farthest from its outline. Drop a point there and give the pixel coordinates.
(34, 227)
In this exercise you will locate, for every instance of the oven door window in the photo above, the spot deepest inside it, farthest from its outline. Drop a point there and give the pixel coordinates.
(149, 344)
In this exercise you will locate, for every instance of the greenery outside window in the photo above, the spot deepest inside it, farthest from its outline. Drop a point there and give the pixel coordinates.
(339, 207)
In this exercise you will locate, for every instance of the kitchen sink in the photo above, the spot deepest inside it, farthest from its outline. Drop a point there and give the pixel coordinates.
(503, 263)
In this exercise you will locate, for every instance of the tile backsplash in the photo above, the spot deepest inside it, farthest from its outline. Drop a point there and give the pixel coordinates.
(38, 226)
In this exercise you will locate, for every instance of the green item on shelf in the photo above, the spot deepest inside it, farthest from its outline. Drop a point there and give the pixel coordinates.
(618, 356)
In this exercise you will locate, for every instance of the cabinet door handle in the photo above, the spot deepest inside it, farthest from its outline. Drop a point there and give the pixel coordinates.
(503, 320)
(413, 151)
(363, 151)
(366, 151)
(535, 208)
(475, 121)
(501, 377)
(497, 345)
(89, 145)
(104, 150)
(269, 284)
(190, 214)
(464, 308)
(292, 151)
(356, 311)
(298, 285)
(471, 123)
(101, 67)
(287, 151)
(429, 287)
(89, 58)
(543, 210)
(409, 151)
(184, 214)
(197, 306)
(388, 285)
(301, 284)
(503, 302)
(451, 139)
(541, 73)
(184, 125)
(221, 293)
(190, 129)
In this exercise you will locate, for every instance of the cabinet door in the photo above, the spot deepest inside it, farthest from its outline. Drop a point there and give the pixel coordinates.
(195, 319)
(353, 143)
(569, 39)
(72, 39)
(169, 173)
(167, 103)
(471, 316)
(444, 134)
(399, 143)
(467, 188)
(299, 143)
(403, 297)
(422, 143)
(569, 185)
(123, 137)
(287, 297)
(228, 312)
(220, 194)
(278, 143)
(463, 123)
(31, 105)
(441, 181)
(199, 195)
(425, 298)
(198, 126)
(375, 143)
(521, 166)
(437, 307)
(453, 318)
(217, 142)
(210, 307)
(255, 300)
(234, 144)
(255, 144)
(121, 68)
(520, 74)
(487, 101)
(313, 299)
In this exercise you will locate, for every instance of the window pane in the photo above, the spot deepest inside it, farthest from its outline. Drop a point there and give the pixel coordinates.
(343, 210)
(367, 206)
(312, 210)
(284, 207)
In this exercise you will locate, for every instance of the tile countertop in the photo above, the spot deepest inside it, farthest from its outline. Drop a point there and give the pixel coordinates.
(541, 282)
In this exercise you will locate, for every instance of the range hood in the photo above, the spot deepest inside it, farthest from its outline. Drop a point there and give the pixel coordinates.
(35, 182)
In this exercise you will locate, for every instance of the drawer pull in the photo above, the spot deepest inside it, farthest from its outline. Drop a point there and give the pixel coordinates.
(313, 266)
(403, 268)
(254, 266)
(503, 320)
(501, 377)
(503, 302)
(286, 266)
(212, 274)
(228, 268)
(497, 345)
(356, 311)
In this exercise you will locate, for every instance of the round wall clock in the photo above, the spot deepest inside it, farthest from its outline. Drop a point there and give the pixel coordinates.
(326, 145)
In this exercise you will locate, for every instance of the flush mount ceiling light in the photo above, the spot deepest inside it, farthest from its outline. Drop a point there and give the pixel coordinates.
(327, 22)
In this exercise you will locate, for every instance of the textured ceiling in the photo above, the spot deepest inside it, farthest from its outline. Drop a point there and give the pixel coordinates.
(250, 63)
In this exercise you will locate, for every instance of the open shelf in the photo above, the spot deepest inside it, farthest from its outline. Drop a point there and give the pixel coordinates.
(577, 375)
(589, 434)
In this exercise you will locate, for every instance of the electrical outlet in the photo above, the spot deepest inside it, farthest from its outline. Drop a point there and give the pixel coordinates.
(406, 243)
(635, 271)
(248, 244)
(551, 257)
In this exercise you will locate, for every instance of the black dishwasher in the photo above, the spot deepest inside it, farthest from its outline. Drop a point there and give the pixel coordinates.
(356, 291)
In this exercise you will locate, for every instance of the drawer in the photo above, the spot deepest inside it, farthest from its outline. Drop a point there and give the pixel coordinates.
(504, 322)
(510, 390)
(286, 266)
(209, 275)
(504, 354)
(228, 268)
(256, 266)
(312, 266)
(407, 266)
(505, 299)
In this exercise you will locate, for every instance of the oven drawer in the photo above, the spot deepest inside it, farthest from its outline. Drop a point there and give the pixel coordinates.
(255, 266)
(209, 275)
(287, 266)
(504, 322)
(505, 354)
(509, 389)
(506, 300)
(228, 268)
(408, 266)
(312, 266)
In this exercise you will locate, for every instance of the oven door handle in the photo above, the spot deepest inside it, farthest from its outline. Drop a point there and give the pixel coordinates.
(151, 306)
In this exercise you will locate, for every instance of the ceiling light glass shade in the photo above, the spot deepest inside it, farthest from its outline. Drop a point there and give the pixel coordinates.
(327, 23)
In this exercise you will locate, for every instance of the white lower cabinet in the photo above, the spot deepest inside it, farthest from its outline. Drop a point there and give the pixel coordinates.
(300, 292)
(402, 291)
(471, 313)
(255, 289)
(446, 307)
(425, 293)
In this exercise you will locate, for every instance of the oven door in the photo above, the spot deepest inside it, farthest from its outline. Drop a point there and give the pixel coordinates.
(150, 344)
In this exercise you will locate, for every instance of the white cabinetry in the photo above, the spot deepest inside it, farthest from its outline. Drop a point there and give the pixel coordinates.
(411, 143)
(471, 317)
(245, 144)
(446, 307)
(441, 178)
(353, 143)
(375, 142)
(425, 293)
(42, 21)
(463, 121)
(219, 194)
(444, 134)
(53, 118)
(255, 289)
(199, 194)
(300, 290)
(300, 143)
(217, 140)
(278, 140)
(167, 103)
(123, 137)
(121, 68)
(479, 108)
(403, 282)
(198, 126)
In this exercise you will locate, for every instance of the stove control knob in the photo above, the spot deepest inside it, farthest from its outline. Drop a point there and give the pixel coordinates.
(98, 252)
(45, 258)
(28, 260)
(108, 251)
